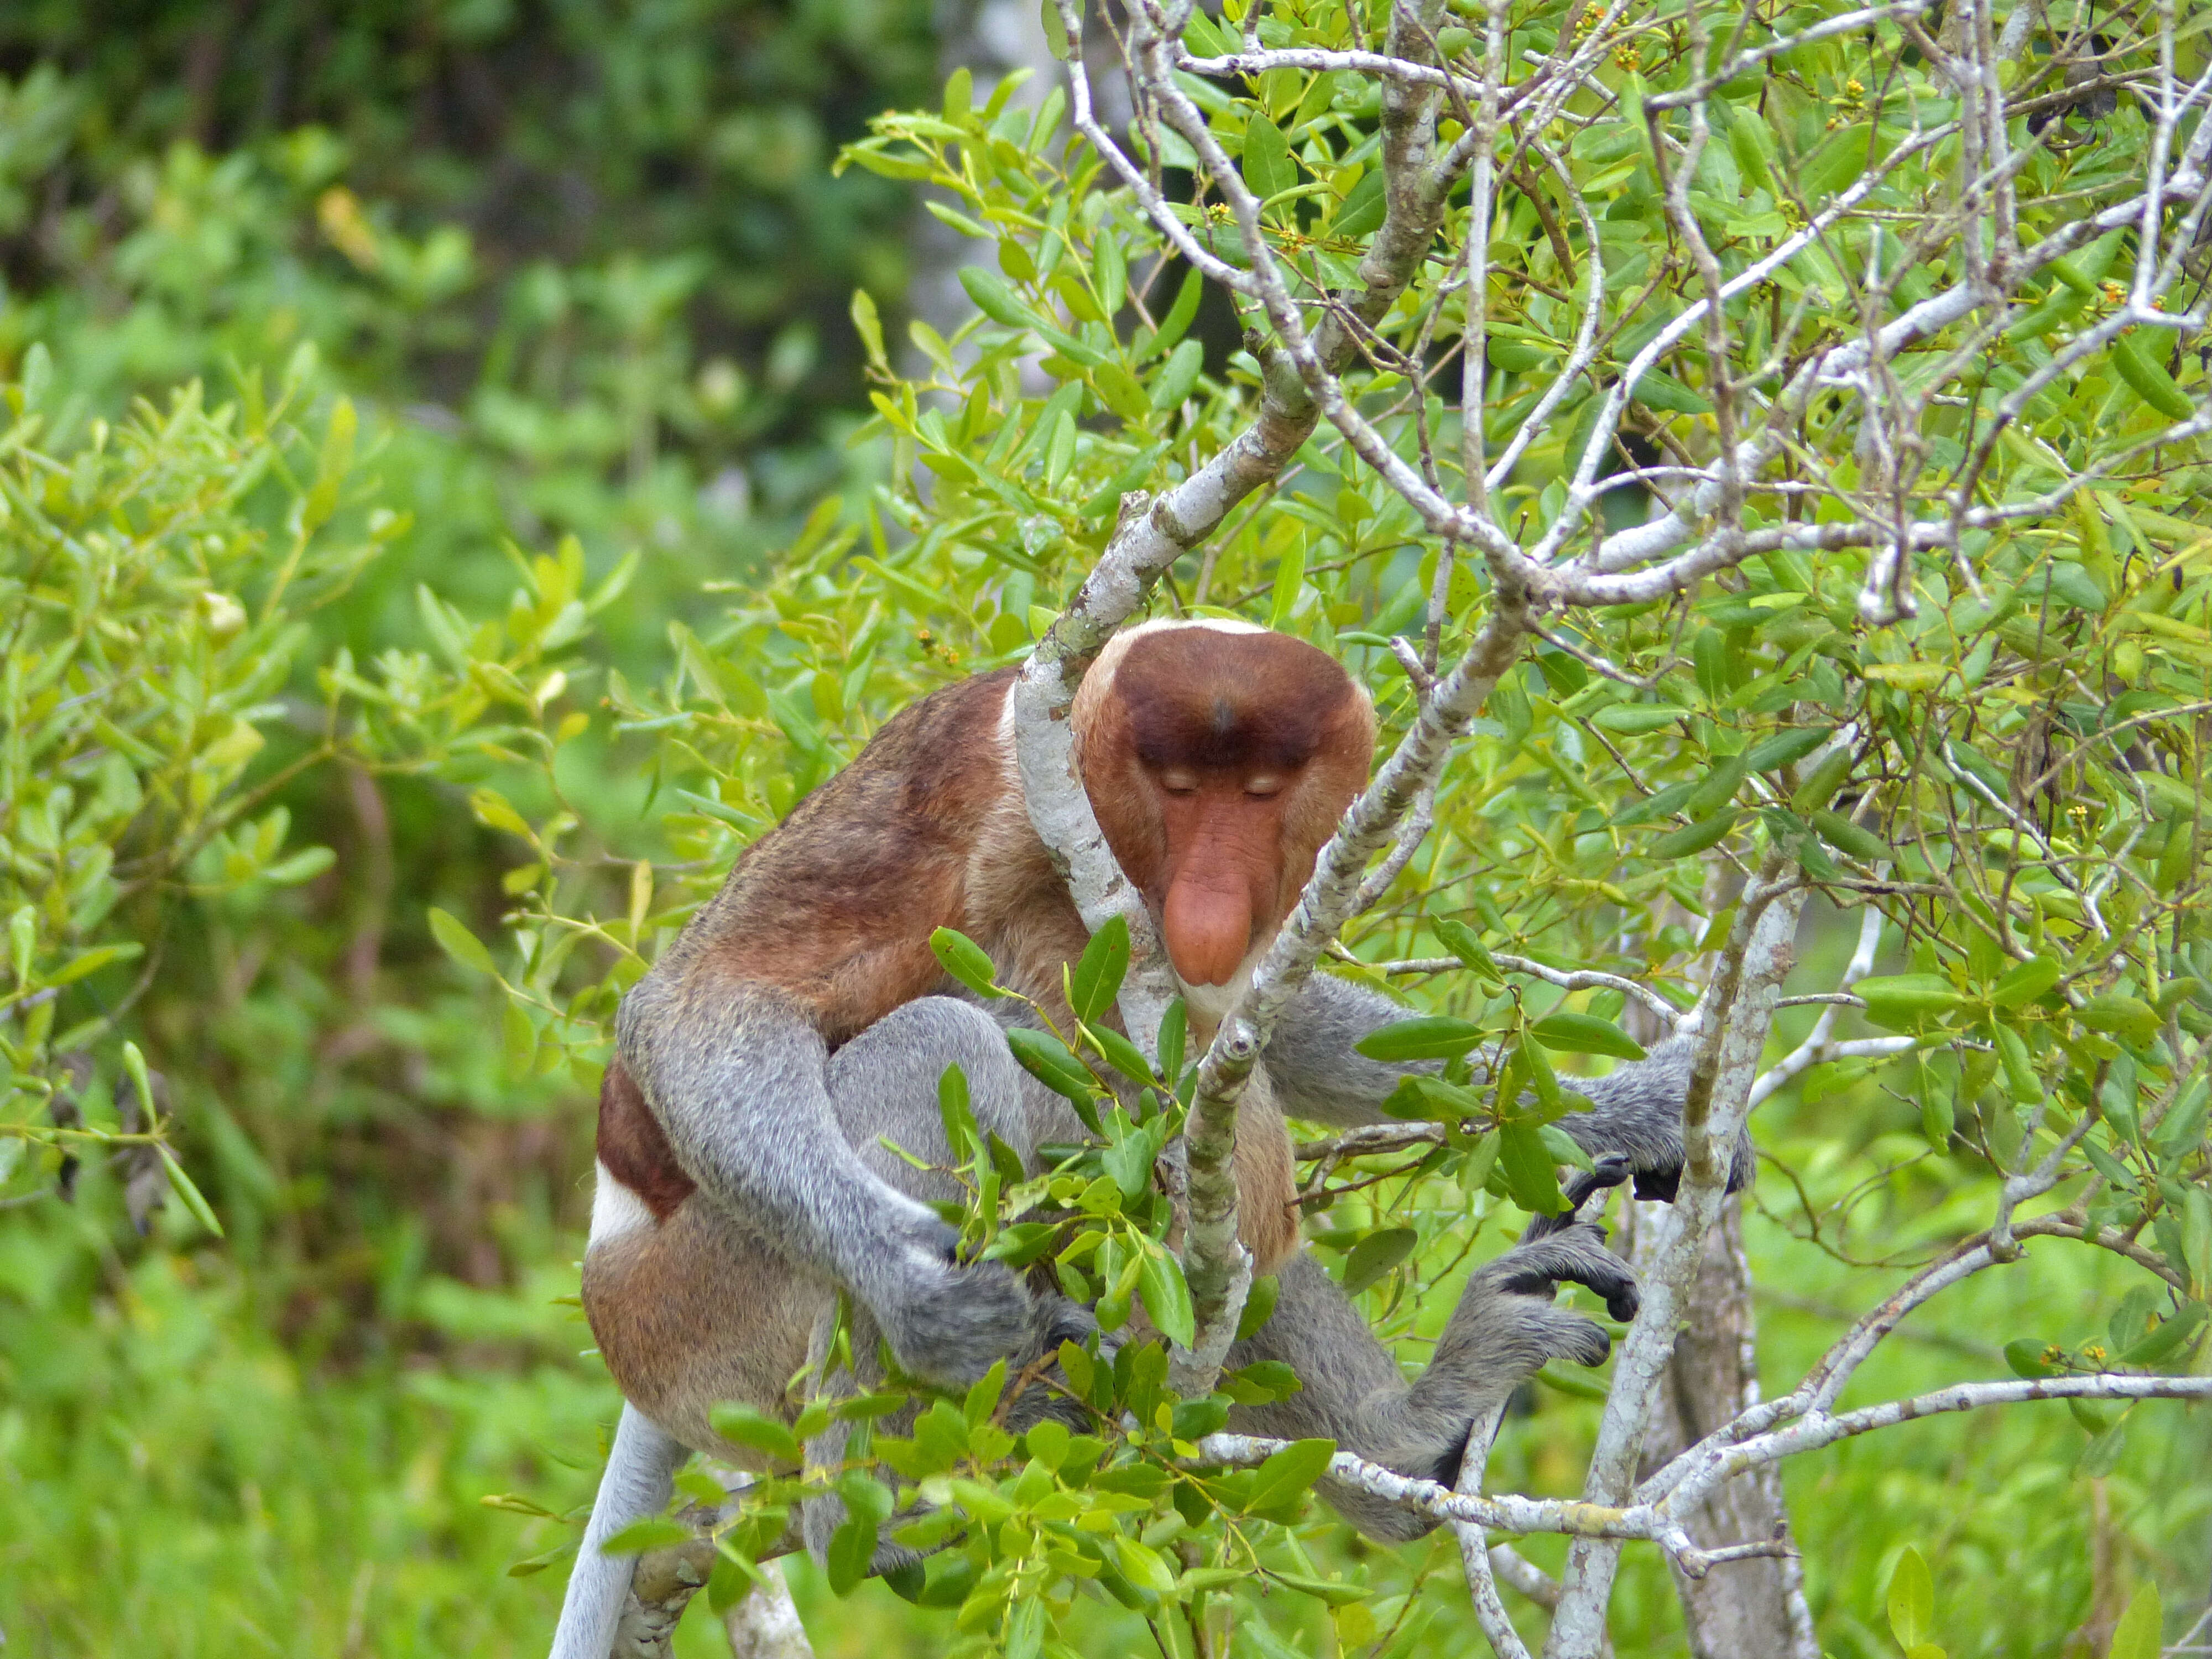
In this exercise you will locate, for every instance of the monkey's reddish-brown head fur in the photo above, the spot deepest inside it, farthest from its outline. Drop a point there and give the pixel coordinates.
(1219, 758)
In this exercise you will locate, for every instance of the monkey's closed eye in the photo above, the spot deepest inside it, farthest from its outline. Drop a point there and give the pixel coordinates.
(1179, 782)
(1263, 787)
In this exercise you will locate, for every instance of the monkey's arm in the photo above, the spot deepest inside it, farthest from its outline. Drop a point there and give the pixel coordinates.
(1317, 1074)
(733, 1071)
(1503, 1329)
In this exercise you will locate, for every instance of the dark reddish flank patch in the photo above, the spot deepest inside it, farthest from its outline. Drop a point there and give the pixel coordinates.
(633, 1149)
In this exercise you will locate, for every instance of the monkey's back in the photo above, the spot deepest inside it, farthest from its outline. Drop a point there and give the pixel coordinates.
(834, 906)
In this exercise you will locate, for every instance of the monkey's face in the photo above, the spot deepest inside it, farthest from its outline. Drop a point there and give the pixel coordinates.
(1223, 830)
(1219, 757)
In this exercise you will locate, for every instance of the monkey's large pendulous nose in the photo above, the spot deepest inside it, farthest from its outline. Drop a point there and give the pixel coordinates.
(1209, 928)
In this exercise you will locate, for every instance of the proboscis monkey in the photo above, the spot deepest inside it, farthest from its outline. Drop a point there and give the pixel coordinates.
(801, 1016)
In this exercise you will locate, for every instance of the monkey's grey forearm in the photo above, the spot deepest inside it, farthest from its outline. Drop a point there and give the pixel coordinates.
(734, 1074)
(1311, 1061)
(1355, 1395)
(1317, 1074)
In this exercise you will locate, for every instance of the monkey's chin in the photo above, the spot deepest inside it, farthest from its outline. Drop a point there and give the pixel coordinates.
(1209, 1004)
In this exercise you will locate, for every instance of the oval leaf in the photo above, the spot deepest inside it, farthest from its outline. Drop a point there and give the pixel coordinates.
(458, 943)
(1167, 1298)
(2137, 1635)
(1374, 1255)
(2025, 981)
(1431, 1036)
(966, 960)
(742, 1425)
(1911, 1601)
(1290, 1473)
(1585, 1034)
(1530, 1174)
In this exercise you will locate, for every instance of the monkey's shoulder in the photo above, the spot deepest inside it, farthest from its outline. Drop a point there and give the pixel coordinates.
(837, 902)
(930, 772)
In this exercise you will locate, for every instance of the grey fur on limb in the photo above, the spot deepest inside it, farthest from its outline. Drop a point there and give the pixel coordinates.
(639, 1478)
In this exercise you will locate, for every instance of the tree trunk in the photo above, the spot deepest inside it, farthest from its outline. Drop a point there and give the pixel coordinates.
(1745, 1609)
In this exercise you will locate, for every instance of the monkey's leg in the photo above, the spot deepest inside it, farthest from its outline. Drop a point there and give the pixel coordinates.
(1503, 1331)
(737, 1076)
(639, 1478)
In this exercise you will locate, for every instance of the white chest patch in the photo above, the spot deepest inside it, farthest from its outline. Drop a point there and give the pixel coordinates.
(616, 1209)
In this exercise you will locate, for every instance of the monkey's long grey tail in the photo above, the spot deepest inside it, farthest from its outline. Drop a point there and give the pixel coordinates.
(640, 1476)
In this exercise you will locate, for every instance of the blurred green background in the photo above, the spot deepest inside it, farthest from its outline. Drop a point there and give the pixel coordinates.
(581, 268)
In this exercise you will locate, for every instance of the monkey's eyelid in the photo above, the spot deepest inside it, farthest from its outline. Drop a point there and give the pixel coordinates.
(1263, 785)
(1179, 782)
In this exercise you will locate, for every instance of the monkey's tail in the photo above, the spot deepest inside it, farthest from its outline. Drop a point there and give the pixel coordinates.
(640, 1476)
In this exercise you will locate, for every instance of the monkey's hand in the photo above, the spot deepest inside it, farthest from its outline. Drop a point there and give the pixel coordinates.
(1506, 1325)
(948, 1322)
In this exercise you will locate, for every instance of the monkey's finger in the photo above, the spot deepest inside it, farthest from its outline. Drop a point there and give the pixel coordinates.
(1610, 1171)
(1575, 1255)
(1567, 1335)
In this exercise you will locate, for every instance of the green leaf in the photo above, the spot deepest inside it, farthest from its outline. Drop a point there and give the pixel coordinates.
(993, 298)
(2140, 1632)
(2124, 1016)
(2021, 1080)
(1570, 1033)
(1464, 942)
(1563, 1147)
(1117, 1051)
(1046, 1057)
(1374, 1255)
(1530, 1174)
(1144, 1566)
(1259, 1306)
(1427, 1036)
(458, 943)
(851, 1552)
(743, 1426)
(1899, 1000)
(2025, 981)
(1289, 1474)
(1840, 832)
(1911, 1601)
(966, 960)
(657, 1534)
(1096, 980)
(2165, 1337)
(1361, 211)
(1119, 391)
(1268, 169)
(1662, 803)
(1167, 1298)
(1178, 376)
(1634, 719)
(1174, 1029)
(1335, 1591)
(188, 1194)
(1783, 748)
(1693, 838)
